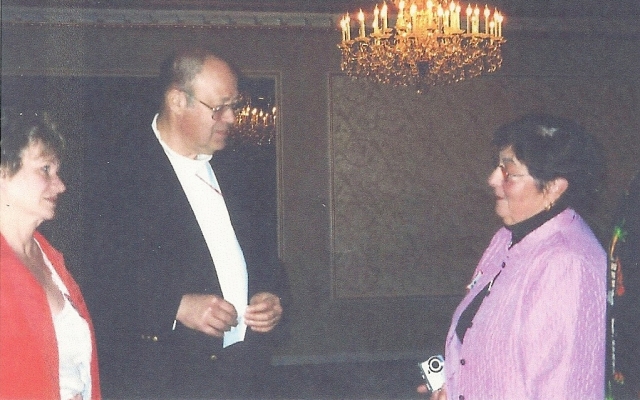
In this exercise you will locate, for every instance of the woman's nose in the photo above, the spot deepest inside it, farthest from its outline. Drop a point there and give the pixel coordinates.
(59, 184)
(495, 178)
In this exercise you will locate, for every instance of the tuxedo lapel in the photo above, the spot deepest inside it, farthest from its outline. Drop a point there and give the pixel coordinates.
(168, 215)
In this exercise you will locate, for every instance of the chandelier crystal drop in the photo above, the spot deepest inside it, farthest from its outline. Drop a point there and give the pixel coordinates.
(430, 44)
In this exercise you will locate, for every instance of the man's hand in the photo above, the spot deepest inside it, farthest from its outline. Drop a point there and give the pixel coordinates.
(207, 313)
(264, 312)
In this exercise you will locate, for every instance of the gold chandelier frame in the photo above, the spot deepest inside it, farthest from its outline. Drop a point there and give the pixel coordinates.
(425, 48)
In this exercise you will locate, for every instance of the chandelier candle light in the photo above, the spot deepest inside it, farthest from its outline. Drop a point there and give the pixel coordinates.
(429, 44)
(254, 125)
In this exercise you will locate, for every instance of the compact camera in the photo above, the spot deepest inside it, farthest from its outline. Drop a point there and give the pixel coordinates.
(433, 372)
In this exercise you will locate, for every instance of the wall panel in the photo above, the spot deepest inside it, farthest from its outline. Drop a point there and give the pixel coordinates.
(412, 212)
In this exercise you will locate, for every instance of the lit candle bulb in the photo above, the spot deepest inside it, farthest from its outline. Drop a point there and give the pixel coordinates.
(487, 13)
(475, 20)
(361, 20)
(469, 12)
(347, 22)
(383, 16)
(429, 7)
(376, 21)
(440, 14)
(400, 20)
(499, 24)
(452, 15)
(413, 12)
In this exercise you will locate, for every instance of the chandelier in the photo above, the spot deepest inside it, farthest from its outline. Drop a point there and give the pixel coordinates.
(255, 123)
(430, 44)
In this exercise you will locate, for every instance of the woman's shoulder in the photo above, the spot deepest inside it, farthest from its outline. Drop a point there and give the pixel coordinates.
(565, 252)
(567, 232)
(566, 241)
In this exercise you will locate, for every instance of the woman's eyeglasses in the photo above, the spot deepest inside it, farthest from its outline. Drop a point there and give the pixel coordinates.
(506, 175)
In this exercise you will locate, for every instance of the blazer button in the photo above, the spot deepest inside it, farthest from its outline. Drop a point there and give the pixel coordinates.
(213, 357)
(461, 397)
(463, 361)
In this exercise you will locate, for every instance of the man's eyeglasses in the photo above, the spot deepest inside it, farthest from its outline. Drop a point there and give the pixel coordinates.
(218, 111)
(506, 174)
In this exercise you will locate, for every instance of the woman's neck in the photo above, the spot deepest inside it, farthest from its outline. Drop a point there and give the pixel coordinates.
(523, 228)
(18, 235)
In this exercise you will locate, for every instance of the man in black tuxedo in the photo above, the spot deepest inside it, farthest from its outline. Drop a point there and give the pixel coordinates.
(186, 289)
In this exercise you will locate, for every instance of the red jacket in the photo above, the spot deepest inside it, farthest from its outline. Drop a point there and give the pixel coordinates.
(28, 348)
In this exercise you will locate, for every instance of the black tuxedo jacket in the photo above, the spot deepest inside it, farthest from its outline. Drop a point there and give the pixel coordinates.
(145, 250)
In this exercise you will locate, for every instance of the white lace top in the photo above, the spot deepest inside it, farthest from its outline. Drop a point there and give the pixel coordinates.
(74, 345)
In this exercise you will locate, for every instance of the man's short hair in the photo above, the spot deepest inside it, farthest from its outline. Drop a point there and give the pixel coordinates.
(181, 68)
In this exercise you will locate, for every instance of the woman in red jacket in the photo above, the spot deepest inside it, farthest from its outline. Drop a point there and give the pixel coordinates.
(47, 346)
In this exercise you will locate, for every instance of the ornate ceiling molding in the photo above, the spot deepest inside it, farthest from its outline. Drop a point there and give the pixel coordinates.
(121, 17)
(168, 18)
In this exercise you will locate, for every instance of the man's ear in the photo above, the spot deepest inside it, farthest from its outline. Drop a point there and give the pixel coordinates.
(176, 100)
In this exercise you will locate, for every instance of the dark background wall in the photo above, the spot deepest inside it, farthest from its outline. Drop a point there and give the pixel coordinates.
(382, 204)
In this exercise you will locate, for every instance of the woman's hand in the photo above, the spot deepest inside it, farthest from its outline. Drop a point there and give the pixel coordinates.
(440, 394)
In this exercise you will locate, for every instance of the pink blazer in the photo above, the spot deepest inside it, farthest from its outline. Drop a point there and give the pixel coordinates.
(540, 333)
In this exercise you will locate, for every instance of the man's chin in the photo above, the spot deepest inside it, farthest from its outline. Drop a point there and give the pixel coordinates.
(219, 145)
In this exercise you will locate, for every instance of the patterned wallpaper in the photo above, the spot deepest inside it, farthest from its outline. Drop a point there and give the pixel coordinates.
(412, 212)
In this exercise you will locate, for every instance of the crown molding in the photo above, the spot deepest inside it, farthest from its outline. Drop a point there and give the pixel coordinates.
(166, 18)
(20, 15)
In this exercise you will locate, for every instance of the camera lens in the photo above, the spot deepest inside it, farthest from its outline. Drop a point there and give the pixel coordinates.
(435, 365)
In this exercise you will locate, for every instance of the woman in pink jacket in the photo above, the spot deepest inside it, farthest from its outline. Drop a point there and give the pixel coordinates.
(532, 324)
(47, 347)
